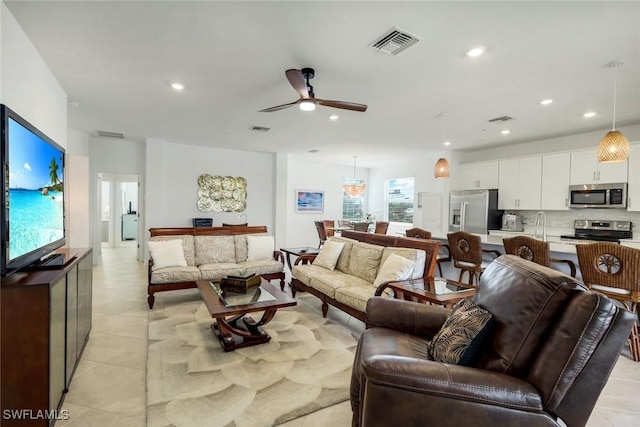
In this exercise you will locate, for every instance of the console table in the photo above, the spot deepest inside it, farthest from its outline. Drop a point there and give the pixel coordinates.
(45, 324)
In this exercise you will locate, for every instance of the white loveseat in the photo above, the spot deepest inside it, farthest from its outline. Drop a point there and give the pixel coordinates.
(359, 269)
(209, 253)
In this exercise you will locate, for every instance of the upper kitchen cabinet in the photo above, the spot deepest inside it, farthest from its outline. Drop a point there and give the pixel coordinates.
(585, 169)
(633, 191)
(473, 176)
(555, 182)
(519, 183)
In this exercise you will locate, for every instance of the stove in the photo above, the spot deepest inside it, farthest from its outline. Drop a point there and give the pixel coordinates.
(600, 231)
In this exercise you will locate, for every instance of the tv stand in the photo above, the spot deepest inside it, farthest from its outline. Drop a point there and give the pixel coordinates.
(53, 261)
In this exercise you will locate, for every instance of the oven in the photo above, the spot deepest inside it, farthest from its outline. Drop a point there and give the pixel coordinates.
(611, 196)
(599, 231)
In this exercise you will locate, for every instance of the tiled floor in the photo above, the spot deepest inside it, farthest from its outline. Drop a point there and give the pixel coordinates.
(108, 388)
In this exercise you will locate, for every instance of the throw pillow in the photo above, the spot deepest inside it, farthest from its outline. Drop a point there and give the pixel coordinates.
(460, 338)
(260, 248)
(167, 253)
(395, 268)
(329, 254)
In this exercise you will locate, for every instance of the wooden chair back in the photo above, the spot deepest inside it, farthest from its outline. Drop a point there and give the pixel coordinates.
(322, 235)
(465, 247)
(528, 248)
(381, 227)
(418, 233)
(329, 226)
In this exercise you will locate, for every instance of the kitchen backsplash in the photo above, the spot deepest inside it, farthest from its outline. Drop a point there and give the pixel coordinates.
(564, 219)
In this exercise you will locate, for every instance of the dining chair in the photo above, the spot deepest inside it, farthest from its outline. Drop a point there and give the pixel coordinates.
(329, 227)
(534, 250)
(421, 233)
(322, 235)
(466, 252)
(381, 227)
(361, 226)
(614, 270)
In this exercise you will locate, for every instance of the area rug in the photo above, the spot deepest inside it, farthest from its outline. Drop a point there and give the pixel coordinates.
(191, 381)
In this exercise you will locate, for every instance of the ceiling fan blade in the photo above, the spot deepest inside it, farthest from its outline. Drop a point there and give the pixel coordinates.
(279, 107)
(297, 81)
(341, 104)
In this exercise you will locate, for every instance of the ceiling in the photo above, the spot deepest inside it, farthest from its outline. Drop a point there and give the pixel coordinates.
(116, 61)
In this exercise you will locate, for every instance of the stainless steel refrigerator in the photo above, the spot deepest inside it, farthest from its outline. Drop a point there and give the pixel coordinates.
(474, 211)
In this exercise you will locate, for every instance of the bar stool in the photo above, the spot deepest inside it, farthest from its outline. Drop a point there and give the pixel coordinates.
(534, 250)
(614, 270)
(466, 252)
(421, 233)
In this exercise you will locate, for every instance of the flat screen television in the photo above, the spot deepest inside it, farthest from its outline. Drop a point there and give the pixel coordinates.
(32, 214)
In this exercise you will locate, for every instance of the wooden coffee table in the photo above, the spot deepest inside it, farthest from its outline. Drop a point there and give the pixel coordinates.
(232, 326)
(437, 291)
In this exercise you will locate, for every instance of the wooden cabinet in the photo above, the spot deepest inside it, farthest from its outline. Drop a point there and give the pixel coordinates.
(481, 175)
(45, 324)
(556, 176)
(633, 190)
(520, 183)
(585, 169)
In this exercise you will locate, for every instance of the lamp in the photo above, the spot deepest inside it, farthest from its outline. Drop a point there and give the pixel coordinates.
(441, 169)
(245, 217)
(307, 105)
(355, 188)
(614, 147)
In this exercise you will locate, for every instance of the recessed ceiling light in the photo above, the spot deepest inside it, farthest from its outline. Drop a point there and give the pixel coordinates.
(546, 101)
(334, 117)
(73, 103)
(505, 132)
(177, 86)
(313, 151)
(589, 114)
(476, 51)
(447, 143)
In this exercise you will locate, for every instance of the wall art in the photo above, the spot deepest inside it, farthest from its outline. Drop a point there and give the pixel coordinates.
(222, 193)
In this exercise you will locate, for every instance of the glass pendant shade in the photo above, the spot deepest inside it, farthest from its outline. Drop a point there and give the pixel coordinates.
(441, 169)
(614, 147)
(354, 187)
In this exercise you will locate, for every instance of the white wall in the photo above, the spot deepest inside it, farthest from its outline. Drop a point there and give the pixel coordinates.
(77, 187)
(305, 175)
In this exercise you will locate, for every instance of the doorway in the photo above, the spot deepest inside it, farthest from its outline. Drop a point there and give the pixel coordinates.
(118, 211)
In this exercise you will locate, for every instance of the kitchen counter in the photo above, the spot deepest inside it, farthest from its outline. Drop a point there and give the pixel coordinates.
(494, 242)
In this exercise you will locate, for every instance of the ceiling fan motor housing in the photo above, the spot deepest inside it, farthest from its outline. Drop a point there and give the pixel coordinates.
(308, 73)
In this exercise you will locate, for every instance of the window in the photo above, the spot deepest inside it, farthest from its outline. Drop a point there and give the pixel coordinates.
(352, 206)
(400, 200)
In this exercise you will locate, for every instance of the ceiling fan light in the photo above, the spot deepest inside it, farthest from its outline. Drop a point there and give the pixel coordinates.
(441, 169)
(307, 105)
(613, 148)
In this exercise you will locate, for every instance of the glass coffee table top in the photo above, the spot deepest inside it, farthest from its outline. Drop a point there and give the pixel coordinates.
(253, 295)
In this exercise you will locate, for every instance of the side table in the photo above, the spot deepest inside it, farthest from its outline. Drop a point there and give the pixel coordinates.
(436, 291)
(298, 252)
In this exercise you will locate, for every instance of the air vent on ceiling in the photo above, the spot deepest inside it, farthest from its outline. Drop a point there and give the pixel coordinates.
(110, 134)
(260, 129)
(501, 119)
(395, 41)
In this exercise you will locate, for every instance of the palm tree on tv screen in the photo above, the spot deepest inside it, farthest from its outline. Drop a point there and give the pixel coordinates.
(53, 174)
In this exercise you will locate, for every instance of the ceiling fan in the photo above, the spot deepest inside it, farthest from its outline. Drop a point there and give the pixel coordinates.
(299, 79)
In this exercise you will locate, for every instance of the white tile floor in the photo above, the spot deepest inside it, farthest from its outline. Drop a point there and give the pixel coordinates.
(108, 388)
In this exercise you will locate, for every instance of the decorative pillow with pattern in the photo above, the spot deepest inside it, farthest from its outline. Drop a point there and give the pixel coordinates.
(462, 335)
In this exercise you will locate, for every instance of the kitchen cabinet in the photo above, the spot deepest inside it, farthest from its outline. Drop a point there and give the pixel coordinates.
(585, 169)
(480, 175)
(519, 183)
(46, 319)
(556, 178)
(633, 190)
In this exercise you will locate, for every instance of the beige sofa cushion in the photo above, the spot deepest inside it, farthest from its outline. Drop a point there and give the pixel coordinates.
(345, 255)
(329, 254)
(365, 261)
(262, 267)
(175, 274)
(355, 296)
(326, 281)
(187, 245)
(242, 247)
(217, 271)
(215, 249)
(417, 255)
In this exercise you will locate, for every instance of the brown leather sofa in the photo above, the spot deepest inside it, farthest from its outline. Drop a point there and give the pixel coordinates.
(553, 346)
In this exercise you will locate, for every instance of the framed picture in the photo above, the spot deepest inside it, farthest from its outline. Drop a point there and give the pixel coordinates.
(309, 201)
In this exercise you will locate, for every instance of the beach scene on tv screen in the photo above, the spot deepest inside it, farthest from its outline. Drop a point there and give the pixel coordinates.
(36, 189)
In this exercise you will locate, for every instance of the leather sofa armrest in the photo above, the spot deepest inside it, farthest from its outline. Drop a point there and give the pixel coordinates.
(405, 316)
(449, 382)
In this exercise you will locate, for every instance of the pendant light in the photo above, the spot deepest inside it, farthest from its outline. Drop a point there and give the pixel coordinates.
(355, 188)
(614, 147)
(441, 169)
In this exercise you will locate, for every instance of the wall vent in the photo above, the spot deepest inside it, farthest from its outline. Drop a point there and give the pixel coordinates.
(501, 119)
(395, 41)
(110, 134)
(260, 129)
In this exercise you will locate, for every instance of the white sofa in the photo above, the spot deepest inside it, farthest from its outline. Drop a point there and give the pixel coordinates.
(357, 273)
(209, 253)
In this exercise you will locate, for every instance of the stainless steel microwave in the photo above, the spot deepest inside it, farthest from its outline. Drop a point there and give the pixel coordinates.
(610, 196)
